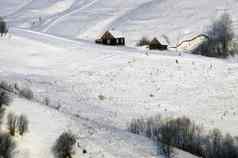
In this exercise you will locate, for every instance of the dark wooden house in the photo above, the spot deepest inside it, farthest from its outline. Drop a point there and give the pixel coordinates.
(155, 44)
(111, 38)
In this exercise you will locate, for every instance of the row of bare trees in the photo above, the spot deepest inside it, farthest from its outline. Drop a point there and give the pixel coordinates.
(184, 134)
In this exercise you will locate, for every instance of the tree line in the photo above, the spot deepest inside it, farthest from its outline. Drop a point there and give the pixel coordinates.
(184, 134)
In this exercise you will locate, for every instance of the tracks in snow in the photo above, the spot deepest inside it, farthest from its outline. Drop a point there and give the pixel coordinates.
(67, 14)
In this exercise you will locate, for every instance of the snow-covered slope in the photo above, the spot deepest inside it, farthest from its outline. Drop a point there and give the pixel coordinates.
(47, 124)
(132, 83)
(85, 19)
(98, 89)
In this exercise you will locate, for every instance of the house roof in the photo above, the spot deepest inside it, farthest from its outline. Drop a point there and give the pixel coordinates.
(116, 34)
(155, 41)
(111, 34)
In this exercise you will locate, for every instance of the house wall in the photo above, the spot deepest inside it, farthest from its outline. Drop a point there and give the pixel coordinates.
(158, 46)
(112, 41)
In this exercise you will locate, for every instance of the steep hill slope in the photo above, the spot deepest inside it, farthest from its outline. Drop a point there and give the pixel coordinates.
(99, 88)
(85, 19)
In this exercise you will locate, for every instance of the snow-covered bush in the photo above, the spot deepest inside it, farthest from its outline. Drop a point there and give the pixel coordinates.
(22, 124)
(143, 42)
(2, 113)
(63, 147)
(12, 123)
(5, 98)
(101, 97)
(220, 36)
(27, 93)
(7, 145)
(6, 86)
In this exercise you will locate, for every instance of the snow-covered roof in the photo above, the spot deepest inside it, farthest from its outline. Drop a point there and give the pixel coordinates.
(116, 33)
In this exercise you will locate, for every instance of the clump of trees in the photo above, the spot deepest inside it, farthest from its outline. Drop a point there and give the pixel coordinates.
(7, 146)
(220, 36)
(26, 93)
(63, 147)
(5, 98)
(17, 123)
(184, 134)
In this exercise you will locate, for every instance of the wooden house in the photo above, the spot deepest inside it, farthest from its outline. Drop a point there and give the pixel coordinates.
(155, 44)
(111, 38)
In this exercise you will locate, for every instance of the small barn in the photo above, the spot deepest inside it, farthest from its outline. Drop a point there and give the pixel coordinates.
(155, 44)
(111, 38)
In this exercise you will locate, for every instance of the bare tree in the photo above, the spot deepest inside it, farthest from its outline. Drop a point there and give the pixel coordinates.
(22, 124)
(63, 147)
(12, 123)
(27, 93)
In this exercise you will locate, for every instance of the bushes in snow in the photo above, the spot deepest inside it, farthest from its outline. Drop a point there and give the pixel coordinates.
(12, 123)
(5, 98)
(2, 113)
(220, 36)
(7, 145)
(26, 93)
(182, 133)
(22, 124)
(6, 86)
(143, 42)
(17, 123)
(63, 147)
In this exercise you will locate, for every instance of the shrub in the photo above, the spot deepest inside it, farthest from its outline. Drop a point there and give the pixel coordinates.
(7, 145)
(220, 36)
(5, 98)
(166, 138)
(6, 86)
(101, 97)
(22, 124)
(27, 93)
(12, 123)
(143, 42)
(63, 147)
(2, 113)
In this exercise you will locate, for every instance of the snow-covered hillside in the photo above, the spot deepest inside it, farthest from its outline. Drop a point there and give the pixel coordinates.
(85, 19)
(99, 89)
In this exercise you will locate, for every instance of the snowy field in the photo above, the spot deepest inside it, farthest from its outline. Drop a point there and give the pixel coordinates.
(99, 89)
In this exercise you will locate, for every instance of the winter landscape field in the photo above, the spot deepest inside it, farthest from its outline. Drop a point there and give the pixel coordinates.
(94, 90)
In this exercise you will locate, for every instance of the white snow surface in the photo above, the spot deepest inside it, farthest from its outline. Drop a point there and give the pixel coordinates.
(50, 49)
(85, 19)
